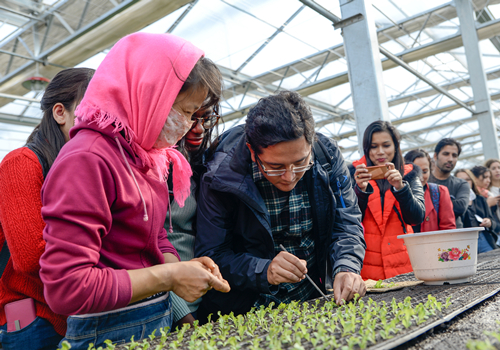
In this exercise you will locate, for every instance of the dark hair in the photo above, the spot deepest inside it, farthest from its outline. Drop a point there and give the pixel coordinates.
(479, 170)
(447, 142)
(383, 126)
(277, 118)
(417, 153)
(472, 177)
(68, 88)
(205, 74)
(210, 141)
(490, 162)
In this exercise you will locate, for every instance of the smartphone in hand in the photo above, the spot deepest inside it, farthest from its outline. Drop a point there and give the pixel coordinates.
(377, 171)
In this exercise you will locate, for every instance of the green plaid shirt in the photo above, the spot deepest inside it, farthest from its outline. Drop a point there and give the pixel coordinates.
(291, 225)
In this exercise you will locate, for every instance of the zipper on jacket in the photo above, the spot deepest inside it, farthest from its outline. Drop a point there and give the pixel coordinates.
(339, 187)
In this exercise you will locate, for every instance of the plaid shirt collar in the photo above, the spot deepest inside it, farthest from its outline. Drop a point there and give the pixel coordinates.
(256, 173)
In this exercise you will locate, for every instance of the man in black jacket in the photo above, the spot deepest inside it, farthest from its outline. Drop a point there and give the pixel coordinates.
(275, 182)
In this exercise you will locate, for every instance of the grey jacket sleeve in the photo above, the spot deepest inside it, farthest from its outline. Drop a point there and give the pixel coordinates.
(461, 200)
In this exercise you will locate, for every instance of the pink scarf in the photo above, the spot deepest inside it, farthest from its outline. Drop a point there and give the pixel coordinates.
(134, 89)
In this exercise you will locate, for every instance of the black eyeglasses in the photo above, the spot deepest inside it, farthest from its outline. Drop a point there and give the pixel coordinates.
(208, 121)
(281, 172)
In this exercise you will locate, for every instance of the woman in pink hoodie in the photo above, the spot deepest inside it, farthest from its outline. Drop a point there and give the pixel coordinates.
(107, 262)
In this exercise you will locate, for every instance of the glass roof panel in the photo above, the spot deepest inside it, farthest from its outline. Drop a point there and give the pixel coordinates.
(231, 31)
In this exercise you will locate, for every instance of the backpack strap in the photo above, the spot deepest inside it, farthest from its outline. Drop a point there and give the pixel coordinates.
(322, 155)
(434, 189)
(400, 219)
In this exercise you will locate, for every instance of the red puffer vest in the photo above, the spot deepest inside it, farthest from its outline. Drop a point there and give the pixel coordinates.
(386, 255)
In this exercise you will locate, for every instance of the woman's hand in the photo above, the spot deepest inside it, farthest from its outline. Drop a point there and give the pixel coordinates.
(394, 177)
(362, 176)
(188, 279)
(492, 201)
(485, 223)
(192, 279)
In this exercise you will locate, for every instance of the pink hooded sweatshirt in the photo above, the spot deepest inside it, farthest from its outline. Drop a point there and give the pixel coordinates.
(100, 220)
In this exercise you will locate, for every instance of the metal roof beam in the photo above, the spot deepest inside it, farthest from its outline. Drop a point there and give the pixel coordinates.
(418, 116)
(19, 120)
(237, 77)
(130, 16)
(454, 84)
(485, 31)
(439, 14)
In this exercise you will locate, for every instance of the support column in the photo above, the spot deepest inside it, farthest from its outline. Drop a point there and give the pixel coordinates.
(364, 65)
(479, 84)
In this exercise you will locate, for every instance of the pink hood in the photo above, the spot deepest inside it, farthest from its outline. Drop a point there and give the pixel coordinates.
(134, 89)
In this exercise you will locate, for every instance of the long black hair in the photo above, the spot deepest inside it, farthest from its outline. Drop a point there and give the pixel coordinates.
(384, 126)
(68, 88)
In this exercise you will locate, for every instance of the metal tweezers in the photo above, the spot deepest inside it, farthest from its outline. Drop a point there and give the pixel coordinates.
(309, 278)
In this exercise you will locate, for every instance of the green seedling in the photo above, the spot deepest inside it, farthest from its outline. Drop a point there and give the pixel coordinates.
(448, 302)
(132, 345)
(379, 284)
(152, 335)
(66, 346)
(110, 345)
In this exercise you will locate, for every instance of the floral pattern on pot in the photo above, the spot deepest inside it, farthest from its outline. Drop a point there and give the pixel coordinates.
(453, 254)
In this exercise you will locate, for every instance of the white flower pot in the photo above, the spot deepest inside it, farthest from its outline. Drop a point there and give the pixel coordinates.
(439, 257)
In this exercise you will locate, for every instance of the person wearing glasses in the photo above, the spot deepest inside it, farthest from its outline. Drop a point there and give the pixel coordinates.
(272, 182)
(180, 221)
(108, 263)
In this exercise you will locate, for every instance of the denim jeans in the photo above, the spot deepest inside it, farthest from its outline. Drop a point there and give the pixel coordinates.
(482, 244)
(38, 335)
(138, 320)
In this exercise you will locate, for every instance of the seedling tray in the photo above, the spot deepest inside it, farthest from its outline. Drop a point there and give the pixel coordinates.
(317, 324)
(482, 286)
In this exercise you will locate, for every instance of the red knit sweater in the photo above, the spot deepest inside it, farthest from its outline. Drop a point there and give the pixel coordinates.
(21, 180)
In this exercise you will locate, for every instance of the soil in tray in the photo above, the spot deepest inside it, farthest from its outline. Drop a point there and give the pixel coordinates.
(309, 325)
(316, 324)
(455, 334)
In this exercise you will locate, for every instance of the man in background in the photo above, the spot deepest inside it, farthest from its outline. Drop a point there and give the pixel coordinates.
(446, 156)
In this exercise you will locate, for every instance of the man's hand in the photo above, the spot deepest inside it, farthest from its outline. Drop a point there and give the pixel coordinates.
(347, 284)
(286, 268)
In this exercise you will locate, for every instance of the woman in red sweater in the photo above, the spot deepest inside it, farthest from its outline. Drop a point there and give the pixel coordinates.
(22, 173)
(436, 218)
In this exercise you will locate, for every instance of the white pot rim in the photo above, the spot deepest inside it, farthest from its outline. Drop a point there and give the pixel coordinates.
(431, 233)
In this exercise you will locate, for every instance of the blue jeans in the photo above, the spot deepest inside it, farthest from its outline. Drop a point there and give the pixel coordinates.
(139, 320)
(482, 244)
(38, 335)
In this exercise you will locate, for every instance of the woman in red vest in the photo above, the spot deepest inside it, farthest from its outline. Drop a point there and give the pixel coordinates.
(438, 206)
(390, 206)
